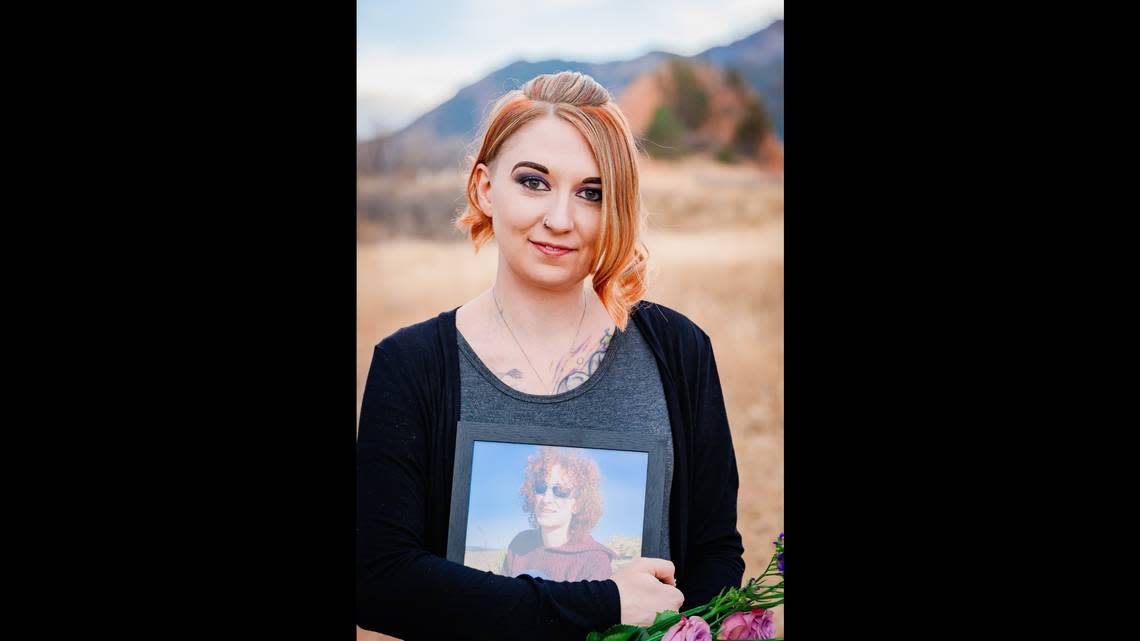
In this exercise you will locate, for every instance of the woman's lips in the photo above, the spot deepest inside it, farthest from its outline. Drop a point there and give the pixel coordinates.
(550, 251)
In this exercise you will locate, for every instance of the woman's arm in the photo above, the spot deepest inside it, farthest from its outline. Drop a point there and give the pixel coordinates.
(716, 553)
(406, 591)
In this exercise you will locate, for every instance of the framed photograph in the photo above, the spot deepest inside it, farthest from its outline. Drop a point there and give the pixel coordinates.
(558, 504)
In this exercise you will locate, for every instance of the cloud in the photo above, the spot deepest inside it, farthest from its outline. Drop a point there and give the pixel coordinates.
(393, 86)
(378, 114)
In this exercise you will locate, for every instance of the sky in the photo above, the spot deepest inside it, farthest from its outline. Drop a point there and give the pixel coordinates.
(495, 513)
(412, 56)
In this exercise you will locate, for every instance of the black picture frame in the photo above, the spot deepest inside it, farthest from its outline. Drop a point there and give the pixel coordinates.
(468, 433)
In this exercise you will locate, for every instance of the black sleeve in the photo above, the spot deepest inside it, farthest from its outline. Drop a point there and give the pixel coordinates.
(408, 592)
(716, 553)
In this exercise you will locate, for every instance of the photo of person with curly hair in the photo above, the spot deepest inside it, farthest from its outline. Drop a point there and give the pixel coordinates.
(562, 497)
(572, 514)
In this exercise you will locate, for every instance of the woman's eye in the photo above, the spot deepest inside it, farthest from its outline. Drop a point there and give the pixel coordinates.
(533, 183)
(592, 195)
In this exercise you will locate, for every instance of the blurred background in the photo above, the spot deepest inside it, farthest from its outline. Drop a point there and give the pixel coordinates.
(702, 85)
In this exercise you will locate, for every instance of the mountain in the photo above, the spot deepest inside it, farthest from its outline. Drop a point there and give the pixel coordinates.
(687, 106)
(760, 60)
(438, 138)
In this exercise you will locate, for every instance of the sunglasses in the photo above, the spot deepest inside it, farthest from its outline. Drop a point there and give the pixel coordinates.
(559, 491)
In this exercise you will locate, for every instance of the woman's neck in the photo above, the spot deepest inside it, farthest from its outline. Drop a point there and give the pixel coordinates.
(534, 311)
(555, 537)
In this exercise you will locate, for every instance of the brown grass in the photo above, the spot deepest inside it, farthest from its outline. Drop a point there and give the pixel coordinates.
(489, 560)
(717, 245)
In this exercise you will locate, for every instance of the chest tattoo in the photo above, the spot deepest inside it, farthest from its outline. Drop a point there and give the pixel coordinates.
(582, 365)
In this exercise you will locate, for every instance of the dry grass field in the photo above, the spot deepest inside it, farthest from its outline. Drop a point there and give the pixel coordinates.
(489, 560)
(717, 248)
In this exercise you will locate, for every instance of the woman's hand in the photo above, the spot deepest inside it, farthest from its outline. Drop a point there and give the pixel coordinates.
(646, 587)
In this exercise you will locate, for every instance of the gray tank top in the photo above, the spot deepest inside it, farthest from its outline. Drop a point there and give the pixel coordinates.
(626, 383)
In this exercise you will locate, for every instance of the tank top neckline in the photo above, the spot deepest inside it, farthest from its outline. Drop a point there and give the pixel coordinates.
(484, 371)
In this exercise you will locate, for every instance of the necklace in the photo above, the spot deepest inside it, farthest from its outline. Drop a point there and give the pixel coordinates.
(508, 326)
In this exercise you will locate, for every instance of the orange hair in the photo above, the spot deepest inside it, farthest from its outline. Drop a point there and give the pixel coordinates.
(621, 257)
(583, 474)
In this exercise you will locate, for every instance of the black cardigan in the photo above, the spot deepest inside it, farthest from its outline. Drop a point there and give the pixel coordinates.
(406, 587)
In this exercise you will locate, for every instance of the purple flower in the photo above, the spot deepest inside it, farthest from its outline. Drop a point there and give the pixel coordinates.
(780, 561)
(757, 624)
(689, 629)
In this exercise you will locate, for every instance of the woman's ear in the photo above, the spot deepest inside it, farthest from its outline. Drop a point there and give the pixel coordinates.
(483, 188)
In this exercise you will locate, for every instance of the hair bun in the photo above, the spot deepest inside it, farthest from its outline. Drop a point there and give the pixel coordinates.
(571, 87)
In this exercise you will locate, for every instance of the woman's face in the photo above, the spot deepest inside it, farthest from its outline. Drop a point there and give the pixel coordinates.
(544, 171)
(551, 510)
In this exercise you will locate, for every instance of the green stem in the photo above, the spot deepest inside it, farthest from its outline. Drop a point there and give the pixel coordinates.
(760, 595)
(663, 625)
(696, 610)
(720, 619)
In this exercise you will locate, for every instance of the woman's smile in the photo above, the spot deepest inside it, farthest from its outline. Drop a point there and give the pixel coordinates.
(551, 250)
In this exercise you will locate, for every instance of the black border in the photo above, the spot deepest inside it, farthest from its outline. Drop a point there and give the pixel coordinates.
(219, 269)
(468, 432)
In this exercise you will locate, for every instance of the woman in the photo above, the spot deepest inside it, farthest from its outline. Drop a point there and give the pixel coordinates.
(562, 497)
(555, 182)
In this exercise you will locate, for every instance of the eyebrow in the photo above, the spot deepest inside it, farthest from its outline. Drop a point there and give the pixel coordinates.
(533, 165)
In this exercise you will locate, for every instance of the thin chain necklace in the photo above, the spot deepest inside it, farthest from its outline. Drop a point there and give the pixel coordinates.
(574, 340)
